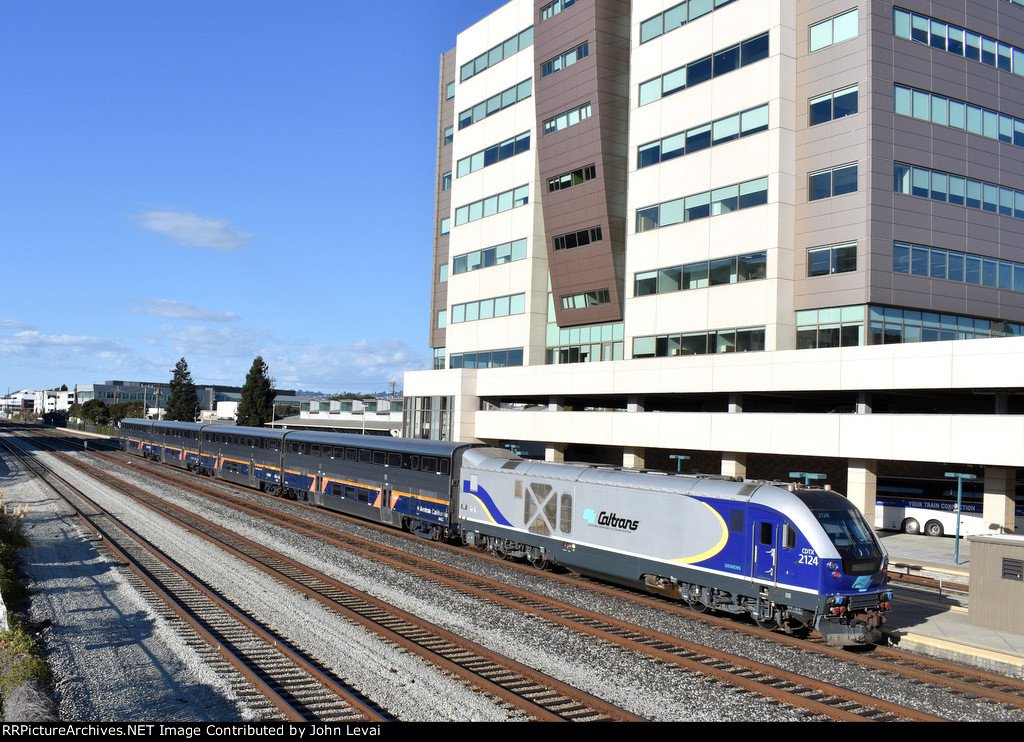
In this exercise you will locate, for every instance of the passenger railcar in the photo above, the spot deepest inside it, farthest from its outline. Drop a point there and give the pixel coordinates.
(402, 482)
(793, 558)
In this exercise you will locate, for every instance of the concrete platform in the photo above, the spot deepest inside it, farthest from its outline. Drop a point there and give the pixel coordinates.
(938, 623)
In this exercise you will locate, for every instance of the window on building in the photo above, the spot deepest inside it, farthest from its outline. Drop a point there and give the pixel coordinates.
(823, 261)
(700, 205)
(506, 252)
(736, 126)
(577, 239)
(573, 178)
(493, 154)
(567, 119)
(834, 105)
(750, 51)
(565, 59)
(834, 30)
(834, 182)
(496, 54)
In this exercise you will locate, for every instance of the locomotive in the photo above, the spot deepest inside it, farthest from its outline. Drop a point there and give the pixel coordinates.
(791, 557)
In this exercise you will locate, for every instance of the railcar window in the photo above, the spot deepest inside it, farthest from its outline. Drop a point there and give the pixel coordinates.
(444, 466)
(539, 509)
(414, 463)
(351, 454)
(788, 537)
(364, 456)
(378, 458)
(765, 536)
(565, 513)
(395, 460)
(314, 449)
(428, 463)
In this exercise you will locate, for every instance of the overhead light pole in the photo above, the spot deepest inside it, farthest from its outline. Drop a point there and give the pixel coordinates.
(806, 476)
(960, 477)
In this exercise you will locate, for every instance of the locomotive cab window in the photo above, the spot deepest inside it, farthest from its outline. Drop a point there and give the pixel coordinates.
(764, 535)
(788, 536)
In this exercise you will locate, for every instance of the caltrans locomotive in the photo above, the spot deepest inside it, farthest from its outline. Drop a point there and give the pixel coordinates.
(791, 557)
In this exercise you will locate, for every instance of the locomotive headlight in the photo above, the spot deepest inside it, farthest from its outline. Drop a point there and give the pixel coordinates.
(832, 566)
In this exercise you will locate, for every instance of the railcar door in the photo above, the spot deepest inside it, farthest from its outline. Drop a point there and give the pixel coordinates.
(766, 529)
(385, 504)
(775, 557)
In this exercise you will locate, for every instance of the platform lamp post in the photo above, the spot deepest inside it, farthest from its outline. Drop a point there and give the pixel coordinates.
(679, 459)
(960, 477)
(808, 477)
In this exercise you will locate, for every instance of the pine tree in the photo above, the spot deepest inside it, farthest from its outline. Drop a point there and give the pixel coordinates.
(256, 408)
(183, 402)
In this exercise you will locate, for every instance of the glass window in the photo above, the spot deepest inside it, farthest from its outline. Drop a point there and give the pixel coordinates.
(820, 185)
(844, 180)
(700, 71)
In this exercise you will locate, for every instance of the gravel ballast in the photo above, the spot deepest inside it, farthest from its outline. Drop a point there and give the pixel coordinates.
(116, 661)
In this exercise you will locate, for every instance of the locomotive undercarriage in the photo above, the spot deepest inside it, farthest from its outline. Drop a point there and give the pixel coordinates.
(765, 612)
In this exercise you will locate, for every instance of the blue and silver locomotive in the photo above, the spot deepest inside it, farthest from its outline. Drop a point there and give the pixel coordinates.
(792, 558)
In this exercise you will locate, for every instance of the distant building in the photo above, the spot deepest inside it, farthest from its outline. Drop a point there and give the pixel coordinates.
(369, 416)
(154, 395)
(54, 400)
(20, 401)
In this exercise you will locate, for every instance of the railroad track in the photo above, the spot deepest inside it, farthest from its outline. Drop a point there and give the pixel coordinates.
(991, 687)
(275, 679)
(814, 697)
(516, 686)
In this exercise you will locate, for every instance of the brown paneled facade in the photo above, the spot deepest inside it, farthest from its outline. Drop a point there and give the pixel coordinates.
(596, 146)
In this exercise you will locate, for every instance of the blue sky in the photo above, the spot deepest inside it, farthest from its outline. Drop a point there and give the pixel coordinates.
(219, 180)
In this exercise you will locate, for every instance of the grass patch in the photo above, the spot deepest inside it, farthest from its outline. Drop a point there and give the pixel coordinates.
(20, 662)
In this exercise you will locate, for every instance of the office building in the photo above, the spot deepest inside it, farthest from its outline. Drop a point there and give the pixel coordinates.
(758, 238)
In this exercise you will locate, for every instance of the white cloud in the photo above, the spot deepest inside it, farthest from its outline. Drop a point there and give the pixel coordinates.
(199, 340)
(191, 230)
(13, 324)
(34, 347)
(171, 309)
(223, 355)
(363, 366)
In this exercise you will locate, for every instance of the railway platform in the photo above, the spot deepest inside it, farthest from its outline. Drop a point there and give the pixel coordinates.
(938, 623)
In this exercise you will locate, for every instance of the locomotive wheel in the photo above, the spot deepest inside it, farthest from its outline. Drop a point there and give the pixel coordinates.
(769, 624)
(540, 563)
(699, 607)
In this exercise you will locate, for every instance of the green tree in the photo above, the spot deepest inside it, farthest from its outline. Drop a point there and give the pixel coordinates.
(256, 408)
(95, 411)
(120, 411)
(183, 402)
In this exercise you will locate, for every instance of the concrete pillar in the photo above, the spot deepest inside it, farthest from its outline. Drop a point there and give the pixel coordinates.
(633, 457)
(734, 465)
(862, 486)
(554, 452)
(998, 499)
